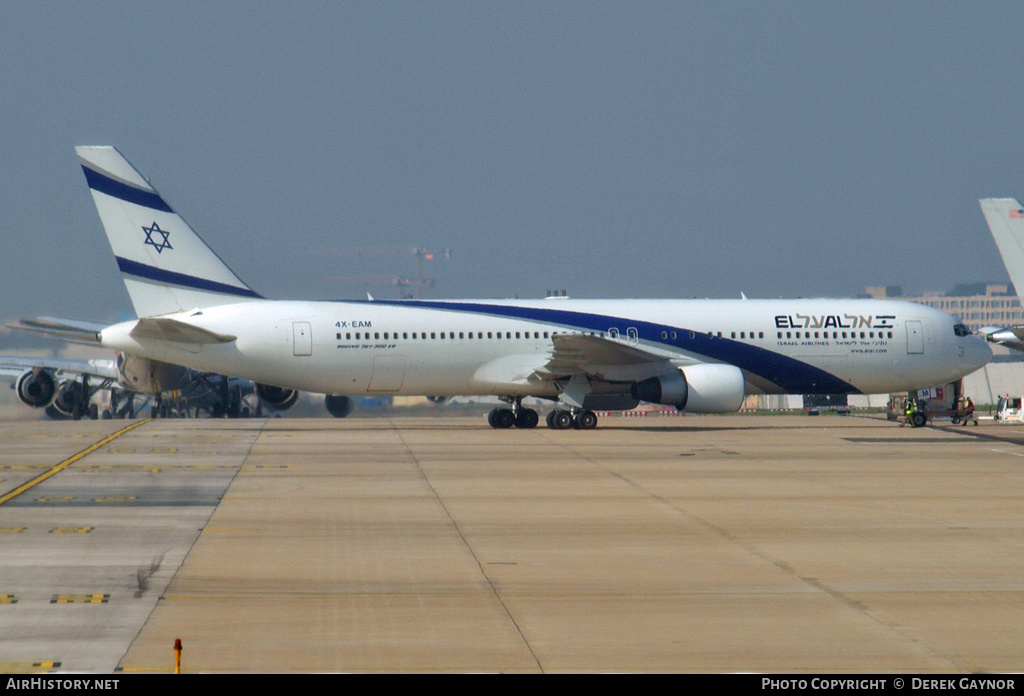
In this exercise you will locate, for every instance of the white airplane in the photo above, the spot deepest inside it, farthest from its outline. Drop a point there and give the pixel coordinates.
(1005, 218)
(702, 356)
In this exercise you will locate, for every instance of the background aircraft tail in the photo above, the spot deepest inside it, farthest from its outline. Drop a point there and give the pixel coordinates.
(1005, 218)
(165, 265)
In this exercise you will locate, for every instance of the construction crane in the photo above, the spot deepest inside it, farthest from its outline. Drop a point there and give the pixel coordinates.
(416, 284)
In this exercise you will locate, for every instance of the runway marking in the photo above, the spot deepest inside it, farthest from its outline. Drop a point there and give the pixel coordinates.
(8, 599)
(68, 462)
(26, 667)
(71, 530)
(1016, 454)
(97, 598)
(11, 530)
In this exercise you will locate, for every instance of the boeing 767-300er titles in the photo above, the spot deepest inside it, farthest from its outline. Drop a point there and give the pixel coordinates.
(701, 356)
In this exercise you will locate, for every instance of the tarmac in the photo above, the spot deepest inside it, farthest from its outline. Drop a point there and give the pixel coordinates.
(713, 544)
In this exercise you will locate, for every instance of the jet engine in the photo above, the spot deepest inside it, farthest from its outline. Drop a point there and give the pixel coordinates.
(277, 398)
(710, 388)
(338, 406)
(69, 398)
(37, 389)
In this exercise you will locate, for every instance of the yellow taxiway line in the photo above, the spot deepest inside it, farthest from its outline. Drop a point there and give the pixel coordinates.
(68, 462)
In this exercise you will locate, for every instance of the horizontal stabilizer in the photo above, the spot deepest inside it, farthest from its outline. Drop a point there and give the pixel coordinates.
(165, 329)
(70, 330)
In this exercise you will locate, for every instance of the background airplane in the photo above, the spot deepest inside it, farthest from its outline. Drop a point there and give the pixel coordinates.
(67, 388)
(1005, 218)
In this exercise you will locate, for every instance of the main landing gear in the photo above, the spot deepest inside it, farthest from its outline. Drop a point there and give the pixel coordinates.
(517, 416)
(559, 419)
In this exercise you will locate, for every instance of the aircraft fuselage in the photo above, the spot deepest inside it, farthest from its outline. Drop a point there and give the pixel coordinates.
(477, 347)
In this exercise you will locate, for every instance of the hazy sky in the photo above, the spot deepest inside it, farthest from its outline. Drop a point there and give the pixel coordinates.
(627, 149)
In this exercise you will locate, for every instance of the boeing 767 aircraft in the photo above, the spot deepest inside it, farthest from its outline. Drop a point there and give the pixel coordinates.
(701, 356)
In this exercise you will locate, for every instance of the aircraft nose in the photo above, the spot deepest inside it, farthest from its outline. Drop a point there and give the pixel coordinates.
(978, 352)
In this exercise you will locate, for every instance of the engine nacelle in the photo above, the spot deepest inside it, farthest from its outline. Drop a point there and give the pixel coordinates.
(338, 406)
(70, 397)
(670, 389)
(37, 389)
(710, 388)
(277, 398)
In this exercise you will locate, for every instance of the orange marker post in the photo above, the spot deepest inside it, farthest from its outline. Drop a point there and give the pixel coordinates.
(177, 655)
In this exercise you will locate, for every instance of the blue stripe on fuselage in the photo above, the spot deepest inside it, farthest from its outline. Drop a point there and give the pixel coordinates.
(141, 270)
(118, 189)
(791, 375)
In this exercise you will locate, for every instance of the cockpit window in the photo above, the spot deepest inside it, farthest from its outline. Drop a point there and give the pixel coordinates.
(961, 330)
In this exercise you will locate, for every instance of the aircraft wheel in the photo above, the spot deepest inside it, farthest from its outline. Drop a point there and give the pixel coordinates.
(94, 412)
(918, 420)
(106, 414)
(561, 419)
(527, 418)
(586, 420)
(501, 418)
(504, 418)
(550, 419)
(956, 420)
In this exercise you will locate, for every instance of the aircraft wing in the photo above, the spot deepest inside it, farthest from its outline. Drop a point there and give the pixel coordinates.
(13, 367)
(576, 355)
(582, 354)
(69, 330)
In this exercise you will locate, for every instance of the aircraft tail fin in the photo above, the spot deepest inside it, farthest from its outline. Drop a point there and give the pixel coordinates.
(1005, 218)
(165, 265)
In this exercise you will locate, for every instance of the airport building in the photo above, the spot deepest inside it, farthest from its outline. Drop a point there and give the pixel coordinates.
(976, 304)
